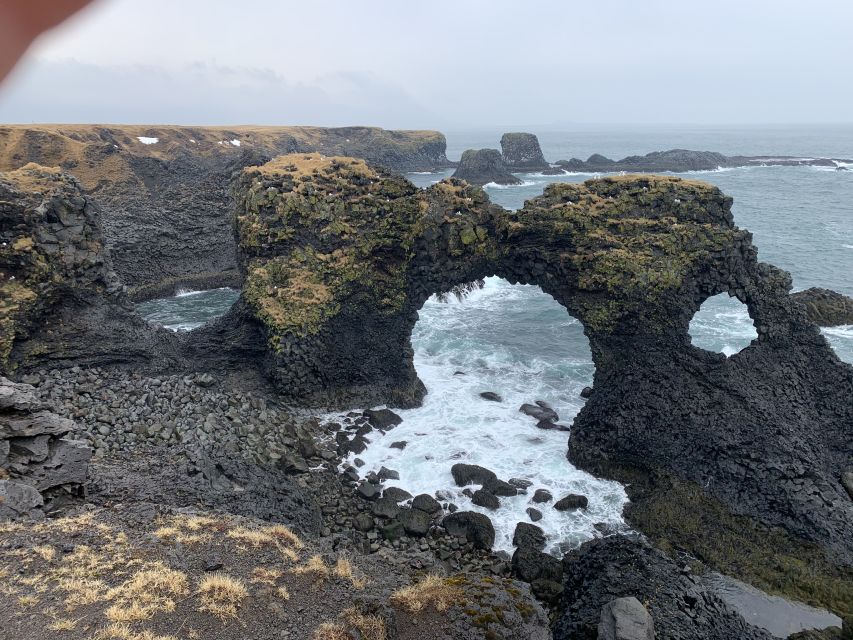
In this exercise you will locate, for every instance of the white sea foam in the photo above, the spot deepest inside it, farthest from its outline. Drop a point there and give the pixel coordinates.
(847, 246)
(456, 425)
(235, 142)
(146, 140)
(495, 185)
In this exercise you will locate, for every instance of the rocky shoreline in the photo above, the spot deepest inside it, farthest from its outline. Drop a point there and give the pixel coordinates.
(336, 256)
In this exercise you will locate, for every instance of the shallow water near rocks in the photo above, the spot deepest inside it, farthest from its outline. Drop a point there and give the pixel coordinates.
(777, 615)
(188, 309)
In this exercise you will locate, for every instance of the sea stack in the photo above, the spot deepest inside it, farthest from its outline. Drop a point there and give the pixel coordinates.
(521, 151)
(482, 166)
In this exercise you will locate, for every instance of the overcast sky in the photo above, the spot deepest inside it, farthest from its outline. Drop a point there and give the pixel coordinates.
(441, 64)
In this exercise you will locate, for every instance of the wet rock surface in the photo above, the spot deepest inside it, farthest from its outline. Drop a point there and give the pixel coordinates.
(824, 307)
(482, 166)
(679, 604)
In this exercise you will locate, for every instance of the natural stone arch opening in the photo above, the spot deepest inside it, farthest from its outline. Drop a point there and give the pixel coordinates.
(188, 309)
(722, 324)
(520, 343)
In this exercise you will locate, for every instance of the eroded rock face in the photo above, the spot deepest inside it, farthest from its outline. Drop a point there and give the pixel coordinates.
(824, 307)
(678, 606)
(60, 301)
(521, 151)
(166, 204)
(339, 257)
(38, 453)
(482, 166)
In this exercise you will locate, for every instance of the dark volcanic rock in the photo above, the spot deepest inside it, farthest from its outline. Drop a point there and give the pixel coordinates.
(609, 568)
(528, 535)
(415, 522)
(483, 498)
(543, 414)
(167, 208)
(542, 495)
(521, 151)
(382, 418)
(535, 514)
(474, 527)
(491, 395)
(60, 301)
(426, 503)
(571, 502)
(482, 166)
(824, 307)
(465, 474)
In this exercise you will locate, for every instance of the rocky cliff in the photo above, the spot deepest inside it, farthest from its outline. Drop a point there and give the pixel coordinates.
(681, 160)
(339, 257)
(482, 166)
(61, 303)
(521, 151)
(164, 192)
(824, 307)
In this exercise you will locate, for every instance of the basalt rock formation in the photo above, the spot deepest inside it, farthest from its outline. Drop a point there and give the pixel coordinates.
(339, 257)
(61, 303)
(164, 192)
(824, 307)
(521, 151)
(482, 166)
(38, 455)
(680, 160)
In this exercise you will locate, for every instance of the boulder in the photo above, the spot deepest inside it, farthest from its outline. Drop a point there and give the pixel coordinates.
(415, 522)
(363, 522)
(847, 482)
(18, 499)
(570, 502)
(475, 527)
(482, 166)
(384, 419)
(483, 498)
(466, 474)
(368, 491)
(386, 507)
(396, 494)
(535, 514)
(522, 151)
(500, 488)
(542, 495)
(387, 474)
(586, 392)
(546, 414)
(529, 564)
(528, 535)
(625, 619)
(426, 503)
(491, 395)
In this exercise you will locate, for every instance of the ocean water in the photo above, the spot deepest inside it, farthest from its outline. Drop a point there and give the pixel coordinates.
(520, 343)
(188, 309)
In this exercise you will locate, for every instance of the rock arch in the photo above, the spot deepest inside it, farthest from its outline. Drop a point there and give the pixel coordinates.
(338, 257)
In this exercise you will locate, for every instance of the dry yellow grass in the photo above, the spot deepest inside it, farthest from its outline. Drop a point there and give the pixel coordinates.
(331, 631)
(46, 552)
(315, 568)
(221, 595)
(433, 591)
(63, 624)
(28, 601)
(262, 575)
(369, 627)
(344, 569)
(82, 591)
(120, 631)
(284, 535)
(149, 591)
(283, 593)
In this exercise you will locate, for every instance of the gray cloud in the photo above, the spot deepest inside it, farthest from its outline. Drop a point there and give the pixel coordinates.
(443, 63)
